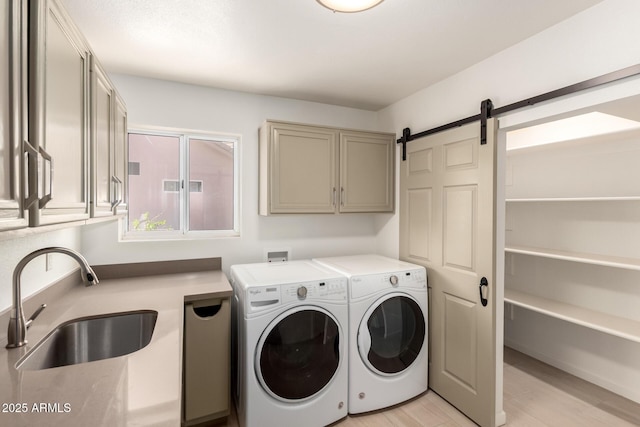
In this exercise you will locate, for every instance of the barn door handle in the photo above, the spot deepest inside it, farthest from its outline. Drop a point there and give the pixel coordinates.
(484, 283)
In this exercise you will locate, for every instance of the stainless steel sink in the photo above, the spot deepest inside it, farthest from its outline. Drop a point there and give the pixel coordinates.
(92, 338)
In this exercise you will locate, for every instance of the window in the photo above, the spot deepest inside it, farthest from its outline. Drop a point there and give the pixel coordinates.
(162, 204)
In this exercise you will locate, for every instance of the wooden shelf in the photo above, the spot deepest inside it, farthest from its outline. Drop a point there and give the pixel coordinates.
(617, 326)
(603, 260)
(575, 199)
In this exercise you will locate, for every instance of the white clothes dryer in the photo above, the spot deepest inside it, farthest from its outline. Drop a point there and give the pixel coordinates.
(292, 345)
(388, 330)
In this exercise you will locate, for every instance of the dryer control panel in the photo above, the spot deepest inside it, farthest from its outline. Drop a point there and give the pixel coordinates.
(374, 283)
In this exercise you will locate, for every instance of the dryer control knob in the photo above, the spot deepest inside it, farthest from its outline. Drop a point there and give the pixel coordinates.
(394, 280)
(302, 292)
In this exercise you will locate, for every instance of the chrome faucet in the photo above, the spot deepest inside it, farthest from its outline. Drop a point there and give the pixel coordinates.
(17, 332)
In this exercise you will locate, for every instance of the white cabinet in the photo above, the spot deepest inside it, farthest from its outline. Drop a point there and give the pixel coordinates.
(120, 154)
(13, 115)
(63, 127)
(108, 145)
(298, 172)
(573, 235)
(103, 180)
(317, 169)
(59, 114)
(366, 172)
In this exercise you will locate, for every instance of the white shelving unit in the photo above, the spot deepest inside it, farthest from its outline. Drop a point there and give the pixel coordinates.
(576, 199)
(580, 222)
(613, 325)
(602, 260)
(572, 255)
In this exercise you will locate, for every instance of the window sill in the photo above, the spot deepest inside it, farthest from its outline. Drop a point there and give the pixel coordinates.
(162, 236)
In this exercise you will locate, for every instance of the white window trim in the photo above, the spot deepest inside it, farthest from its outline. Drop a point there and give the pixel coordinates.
(184, 233)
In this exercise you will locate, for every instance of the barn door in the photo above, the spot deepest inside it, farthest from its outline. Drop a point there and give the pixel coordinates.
(447, 224)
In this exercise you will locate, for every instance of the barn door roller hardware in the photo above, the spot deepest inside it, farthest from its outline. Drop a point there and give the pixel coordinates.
(487, 111)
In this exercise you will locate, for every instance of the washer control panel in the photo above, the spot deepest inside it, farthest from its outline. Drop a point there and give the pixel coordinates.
(261, 298)
(333, 289)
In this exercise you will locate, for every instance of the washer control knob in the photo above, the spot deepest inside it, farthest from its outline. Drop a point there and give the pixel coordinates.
(302, 292)
(394, 280)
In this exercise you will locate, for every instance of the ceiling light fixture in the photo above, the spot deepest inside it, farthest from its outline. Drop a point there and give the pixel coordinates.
(349, 6)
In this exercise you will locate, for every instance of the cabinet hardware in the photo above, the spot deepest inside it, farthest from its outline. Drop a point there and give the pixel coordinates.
(32, 174)
(117, 191)
(47, 197)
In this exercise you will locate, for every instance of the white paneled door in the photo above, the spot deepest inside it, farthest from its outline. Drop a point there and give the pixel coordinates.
(447, 224)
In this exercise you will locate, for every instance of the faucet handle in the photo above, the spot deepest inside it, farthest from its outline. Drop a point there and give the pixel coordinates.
(34, 315)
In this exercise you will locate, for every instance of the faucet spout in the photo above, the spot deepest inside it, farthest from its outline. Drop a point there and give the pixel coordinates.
(17, 331)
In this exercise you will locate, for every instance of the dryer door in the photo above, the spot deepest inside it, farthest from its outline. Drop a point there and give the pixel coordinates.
(391, 334)
(298, 353)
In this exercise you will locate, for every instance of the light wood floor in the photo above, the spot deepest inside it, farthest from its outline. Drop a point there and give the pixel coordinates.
(535, 395)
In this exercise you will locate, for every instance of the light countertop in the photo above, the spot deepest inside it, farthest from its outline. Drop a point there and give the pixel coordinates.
(139, 389)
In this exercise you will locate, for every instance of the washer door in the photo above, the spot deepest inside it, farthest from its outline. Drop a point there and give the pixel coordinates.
(298, 353)
(391, 334)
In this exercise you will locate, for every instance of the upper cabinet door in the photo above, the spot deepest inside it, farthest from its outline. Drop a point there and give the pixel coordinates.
(13, 212)
(301, 170)
(366, 172)
(121, 158)
(298, 169)
(59, 114)
(103, 179)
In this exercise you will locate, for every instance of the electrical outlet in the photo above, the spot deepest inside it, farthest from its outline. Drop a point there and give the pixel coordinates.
(48, 262)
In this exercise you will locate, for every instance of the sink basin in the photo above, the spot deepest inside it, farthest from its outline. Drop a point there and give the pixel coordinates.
(92, 338)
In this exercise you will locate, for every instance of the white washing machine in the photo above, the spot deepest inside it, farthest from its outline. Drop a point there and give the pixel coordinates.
(388, 330)
(292, 345)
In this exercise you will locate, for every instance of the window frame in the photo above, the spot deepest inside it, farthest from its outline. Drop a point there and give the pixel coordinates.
(185, 136)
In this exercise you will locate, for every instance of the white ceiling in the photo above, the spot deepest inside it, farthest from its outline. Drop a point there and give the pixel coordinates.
(299, 49)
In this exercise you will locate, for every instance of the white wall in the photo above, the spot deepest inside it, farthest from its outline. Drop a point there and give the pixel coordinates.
(168, 104)
(35, 276)
(599, 40)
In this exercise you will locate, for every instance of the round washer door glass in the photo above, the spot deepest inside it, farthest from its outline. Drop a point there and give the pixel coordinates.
(391, 334)
(298, 354)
